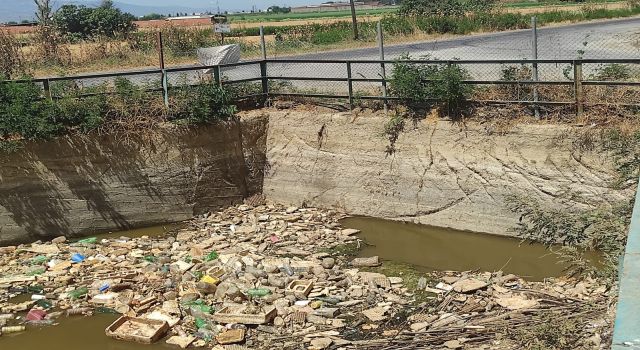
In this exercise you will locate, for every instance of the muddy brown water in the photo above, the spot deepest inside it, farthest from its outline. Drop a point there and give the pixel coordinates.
(434, 248)
(427, 248)
(80, 332)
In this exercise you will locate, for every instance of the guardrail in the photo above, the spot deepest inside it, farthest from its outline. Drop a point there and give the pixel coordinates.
(322, 78)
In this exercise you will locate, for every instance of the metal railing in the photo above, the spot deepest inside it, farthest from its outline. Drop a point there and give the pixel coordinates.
(337, 79)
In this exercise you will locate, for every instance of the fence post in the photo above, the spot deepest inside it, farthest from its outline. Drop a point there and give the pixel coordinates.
(263, 45)
(534, 70)
(165, 88)
(216, 76)
(265, 80)
(350, 82)
(47, 89)
(577, 79)
(382, 67)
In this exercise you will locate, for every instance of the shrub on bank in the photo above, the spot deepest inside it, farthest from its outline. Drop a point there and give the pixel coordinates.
(25, 114)
(440, 85)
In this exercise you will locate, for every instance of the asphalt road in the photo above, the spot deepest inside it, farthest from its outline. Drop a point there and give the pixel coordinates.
(598, 39)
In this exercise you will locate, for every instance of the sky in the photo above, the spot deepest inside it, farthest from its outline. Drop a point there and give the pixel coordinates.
(16, 10)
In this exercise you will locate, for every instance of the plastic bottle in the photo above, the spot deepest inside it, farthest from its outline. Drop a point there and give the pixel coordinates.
(258, 292)
(80, 292)
(422, 283)
(37, 260)
(211, 256)
(89, 240)
(35, 272)
(103, 288)
(13, 329)
(38, 297)
(77, 257)
(35, 289)
(40, 322)
(201, 323)
(205, 334)
(287, 269)
(78, 311)
(45, 304)
(106, 310)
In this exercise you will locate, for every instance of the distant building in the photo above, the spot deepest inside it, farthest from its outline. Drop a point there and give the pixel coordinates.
(336, 6)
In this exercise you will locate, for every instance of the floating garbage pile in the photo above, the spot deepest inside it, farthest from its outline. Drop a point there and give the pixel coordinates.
(269, 276)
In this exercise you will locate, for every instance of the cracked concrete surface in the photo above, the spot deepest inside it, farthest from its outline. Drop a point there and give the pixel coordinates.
(440, 175)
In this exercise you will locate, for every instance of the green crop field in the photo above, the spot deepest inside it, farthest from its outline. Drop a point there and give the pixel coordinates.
(279, 17)
(525, 4)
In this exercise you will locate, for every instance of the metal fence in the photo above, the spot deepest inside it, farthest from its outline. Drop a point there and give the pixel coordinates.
(578, 83)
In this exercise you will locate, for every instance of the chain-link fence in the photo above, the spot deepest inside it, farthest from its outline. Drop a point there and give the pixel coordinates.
(580, 83)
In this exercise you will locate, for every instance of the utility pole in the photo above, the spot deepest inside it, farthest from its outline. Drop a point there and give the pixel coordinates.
(354, 19)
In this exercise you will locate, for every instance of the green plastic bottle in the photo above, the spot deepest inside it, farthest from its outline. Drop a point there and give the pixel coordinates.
(37, 260)
(90, 240)
(258, 292)
(106, 310)
(78, 293)
(35, 272)
(200, 323)
(211, 256)
(45, 304)
(35, 289)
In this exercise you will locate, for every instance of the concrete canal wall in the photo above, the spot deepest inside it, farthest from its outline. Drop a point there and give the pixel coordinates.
(442, 174)
(81, 184)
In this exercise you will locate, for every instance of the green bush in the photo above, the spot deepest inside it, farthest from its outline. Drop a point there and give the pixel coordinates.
(25, 114)
(203, 103)
(434, 84)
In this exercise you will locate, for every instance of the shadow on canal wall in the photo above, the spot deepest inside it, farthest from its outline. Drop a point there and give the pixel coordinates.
(79, 184)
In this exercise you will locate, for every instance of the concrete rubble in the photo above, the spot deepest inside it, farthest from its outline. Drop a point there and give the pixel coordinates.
(270, 276)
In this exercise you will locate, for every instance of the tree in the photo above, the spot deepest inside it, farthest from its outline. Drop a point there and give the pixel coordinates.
(278, 9)
(152, 16)
(48, 47)
(84, 22)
